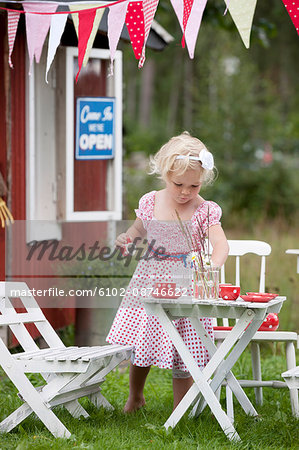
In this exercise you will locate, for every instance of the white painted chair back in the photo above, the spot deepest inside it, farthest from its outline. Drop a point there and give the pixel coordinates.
(16, 321)
(239, 248)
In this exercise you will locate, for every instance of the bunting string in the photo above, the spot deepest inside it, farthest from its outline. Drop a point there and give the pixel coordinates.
(138, 15)
(44, 13)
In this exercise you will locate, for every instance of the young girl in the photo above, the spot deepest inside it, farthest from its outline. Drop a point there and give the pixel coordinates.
(185, 165)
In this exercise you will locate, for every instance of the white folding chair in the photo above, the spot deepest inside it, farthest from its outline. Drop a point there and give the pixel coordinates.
(292, 379)
(69, 372)
(239, 248)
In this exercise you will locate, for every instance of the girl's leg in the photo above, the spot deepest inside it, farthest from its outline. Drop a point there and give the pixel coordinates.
(136, 385)
(180, 388)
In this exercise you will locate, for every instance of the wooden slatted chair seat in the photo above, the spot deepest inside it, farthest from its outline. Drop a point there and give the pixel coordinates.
(81, 355)
(264, 336)
(69, 372)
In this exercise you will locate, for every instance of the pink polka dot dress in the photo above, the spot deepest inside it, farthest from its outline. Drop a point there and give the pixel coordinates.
(131, 324)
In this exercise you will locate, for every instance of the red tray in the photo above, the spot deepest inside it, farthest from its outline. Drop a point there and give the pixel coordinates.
(222, 328)
(262, 294)
(256, 298)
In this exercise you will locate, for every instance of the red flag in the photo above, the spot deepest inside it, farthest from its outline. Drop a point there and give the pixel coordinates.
(293, 10)
(86, 19)
(187, 10)
(135, 24)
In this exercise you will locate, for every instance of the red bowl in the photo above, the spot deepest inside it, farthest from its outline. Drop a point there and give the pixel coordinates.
(271, 323)
(229, 292)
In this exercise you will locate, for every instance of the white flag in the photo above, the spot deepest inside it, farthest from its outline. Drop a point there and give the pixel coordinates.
(57, 27)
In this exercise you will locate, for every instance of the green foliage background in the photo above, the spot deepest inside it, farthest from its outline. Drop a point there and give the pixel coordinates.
(237, 101)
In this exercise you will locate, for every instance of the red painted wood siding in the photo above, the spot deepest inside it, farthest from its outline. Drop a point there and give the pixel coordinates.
(18, 124)
(3, 38)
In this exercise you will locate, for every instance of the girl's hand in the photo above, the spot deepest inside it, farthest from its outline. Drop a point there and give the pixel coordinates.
(122, 240)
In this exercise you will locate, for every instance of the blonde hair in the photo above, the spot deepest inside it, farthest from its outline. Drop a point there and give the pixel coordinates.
(164, 161)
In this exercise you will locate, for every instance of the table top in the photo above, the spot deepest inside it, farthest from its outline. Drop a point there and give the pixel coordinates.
(188, 306)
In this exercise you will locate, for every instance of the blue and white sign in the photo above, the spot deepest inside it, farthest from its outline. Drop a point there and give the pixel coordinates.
(95, 123)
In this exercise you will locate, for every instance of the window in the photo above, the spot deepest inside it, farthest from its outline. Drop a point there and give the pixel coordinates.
(59, 186)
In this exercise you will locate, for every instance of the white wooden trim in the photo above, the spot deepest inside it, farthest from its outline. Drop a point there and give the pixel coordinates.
(119, 143)
(93, 216)
(30, 145)
(69, 111)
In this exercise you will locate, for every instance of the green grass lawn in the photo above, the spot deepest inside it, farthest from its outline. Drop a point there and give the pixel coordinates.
(275, 429)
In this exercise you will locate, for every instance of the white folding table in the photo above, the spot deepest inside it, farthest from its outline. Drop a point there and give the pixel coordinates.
(250, 316)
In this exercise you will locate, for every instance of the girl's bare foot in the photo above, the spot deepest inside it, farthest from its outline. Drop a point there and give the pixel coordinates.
(134, 404)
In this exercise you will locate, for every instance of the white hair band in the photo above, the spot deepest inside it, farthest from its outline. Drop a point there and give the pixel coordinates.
(205, 157)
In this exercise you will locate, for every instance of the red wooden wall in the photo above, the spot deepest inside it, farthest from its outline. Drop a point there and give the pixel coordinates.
(3, 164)
(12, 129)
(90, 176)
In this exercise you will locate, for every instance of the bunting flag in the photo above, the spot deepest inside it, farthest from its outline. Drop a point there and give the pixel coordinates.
(95, 16)
(135, 24)
(58, 22)
(186, 13)
(116, 20)
(149, 11)
(293, 10)
(86, 20)
(193, 24)
(37, 27)
(12, 26)
(242, 12)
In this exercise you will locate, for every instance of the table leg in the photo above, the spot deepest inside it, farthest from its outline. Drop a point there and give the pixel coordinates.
(213, 351)
(197, 375)
(225, 366)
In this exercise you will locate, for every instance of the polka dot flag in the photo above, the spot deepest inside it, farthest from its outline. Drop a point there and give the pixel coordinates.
(292, 7)
(187, 10)
(135, 24)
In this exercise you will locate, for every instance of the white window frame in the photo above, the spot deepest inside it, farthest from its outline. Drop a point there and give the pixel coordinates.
(114, 175)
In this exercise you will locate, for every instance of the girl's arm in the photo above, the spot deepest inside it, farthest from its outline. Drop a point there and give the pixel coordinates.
(219, 244)
(136, 230)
